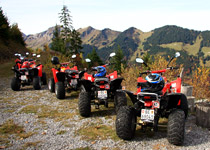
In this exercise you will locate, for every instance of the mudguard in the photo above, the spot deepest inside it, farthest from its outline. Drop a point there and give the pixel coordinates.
(132, 96)
(81, 73)
(61, 76)
(87, 84)
(116, 84)
(39, 67)
(34, 71)
(176, 100)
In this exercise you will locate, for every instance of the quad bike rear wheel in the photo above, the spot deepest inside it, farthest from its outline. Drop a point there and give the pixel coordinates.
(60, 90)
(84, 104)
(15, 84)
(44, 78)
(119, 100)
(126, 122)
(176, 127)
(37, 83)
(51, 85)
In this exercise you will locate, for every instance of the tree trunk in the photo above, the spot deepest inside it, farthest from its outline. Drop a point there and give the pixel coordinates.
(202, 114)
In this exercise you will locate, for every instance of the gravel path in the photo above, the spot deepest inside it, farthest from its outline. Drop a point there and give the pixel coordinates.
(52, 124)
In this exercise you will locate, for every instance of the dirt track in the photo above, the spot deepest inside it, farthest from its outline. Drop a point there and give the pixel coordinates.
(40, 121)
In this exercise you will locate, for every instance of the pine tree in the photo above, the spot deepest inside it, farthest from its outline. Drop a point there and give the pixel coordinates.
(65, 19)
(16, 35)
(71, 38)
(4, 26)
(95, 59)
(118, 60)
(57, 42)
(76, 42)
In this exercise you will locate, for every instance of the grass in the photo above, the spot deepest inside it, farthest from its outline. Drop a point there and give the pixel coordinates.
(96, 132)
(206, 51)
(61, 132)
(30, 144)
(176, 45)
(83, 148)
(57, 113)
(193, 49)
(5, 69)
(9, 127)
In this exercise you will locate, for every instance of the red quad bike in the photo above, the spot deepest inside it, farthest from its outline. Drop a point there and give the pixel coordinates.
(27, 73)
(156, 97)
(64, 77)
(99, 88)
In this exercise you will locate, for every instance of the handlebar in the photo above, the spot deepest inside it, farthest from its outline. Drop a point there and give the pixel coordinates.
(157, 71)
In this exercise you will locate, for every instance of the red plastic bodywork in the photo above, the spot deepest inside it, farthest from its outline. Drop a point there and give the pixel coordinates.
(170, 87)
(62, 69)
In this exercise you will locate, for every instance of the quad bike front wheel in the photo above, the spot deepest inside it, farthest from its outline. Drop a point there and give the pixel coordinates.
(60, 90)
(37, 83)
(119, 100)
(51, 85)
(15, 84)
(126, 123)
(84, 104)
(176, 127)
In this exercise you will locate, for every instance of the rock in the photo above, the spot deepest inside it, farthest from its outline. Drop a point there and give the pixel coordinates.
(202, 114)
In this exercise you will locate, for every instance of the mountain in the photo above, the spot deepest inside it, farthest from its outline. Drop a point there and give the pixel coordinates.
(38, 40)
(134, 42)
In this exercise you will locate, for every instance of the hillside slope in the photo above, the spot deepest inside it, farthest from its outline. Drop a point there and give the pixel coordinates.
(134, 42)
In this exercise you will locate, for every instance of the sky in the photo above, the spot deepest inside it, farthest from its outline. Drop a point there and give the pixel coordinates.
(35, 16)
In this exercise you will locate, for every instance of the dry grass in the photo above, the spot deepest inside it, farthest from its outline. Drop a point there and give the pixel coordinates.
(9, 127)
(96, 132)
(176, 46)
(5, 69)
(31, 144)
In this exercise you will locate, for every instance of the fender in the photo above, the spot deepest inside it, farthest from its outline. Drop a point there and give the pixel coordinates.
(54, 71)
(81, 73)
(17, 71)
(173, 100)
(132, 96)
(34, 71)
(39, 67)
(61, 76)
(116, 84)
(87, 84)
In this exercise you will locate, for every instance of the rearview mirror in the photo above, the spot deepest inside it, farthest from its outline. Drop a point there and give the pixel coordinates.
(177, 54)
(87, 60)
(112, 54)
(139, 60)
(73, 56)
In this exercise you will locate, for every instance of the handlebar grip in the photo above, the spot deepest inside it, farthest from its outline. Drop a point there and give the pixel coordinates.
(175, 67)
(144, 73)
(171, 68)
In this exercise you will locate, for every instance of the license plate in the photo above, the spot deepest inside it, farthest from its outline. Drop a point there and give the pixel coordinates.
(147, 114)
(102, 94)
(76, 76)
(74, 81)
(23, 77)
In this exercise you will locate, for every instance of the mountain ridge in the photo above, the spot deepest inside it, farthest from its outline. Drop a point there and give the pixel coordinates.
(135, 42)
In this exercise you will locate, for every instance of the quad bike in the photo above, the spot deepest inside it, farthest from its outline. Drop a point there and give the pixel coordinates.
(64, 77)
(27, 73)
(98, 88)
(156, 97)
